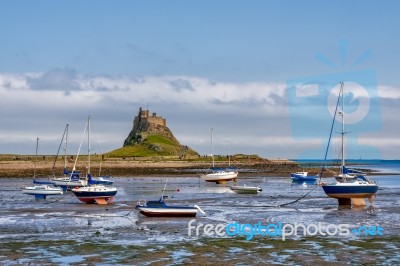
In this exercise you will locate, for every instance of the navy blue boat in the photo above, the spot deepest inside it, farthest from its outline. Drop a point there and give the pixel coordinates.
(349, 190)
(303, 176)
(95, 194)
(102, 180)
(43, 182)
(160, 209)
(352, 186)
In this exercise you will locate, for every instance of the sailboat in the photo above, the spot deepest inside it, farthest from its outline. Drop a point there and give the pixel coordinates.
(302, 176)
(158, 208)
(219, 175)
(42, 190)
(93, 193)
(71, 178)
(349, 189)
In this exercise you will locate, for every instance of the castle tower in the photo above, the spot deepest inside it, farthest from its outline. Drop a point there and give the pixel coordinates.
(144, 125)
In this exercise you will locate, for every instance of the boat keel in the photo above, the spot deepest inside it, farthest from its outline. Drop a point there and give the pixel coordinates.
(344, 202)
(358, 202)
(101, 201)
(349, 202)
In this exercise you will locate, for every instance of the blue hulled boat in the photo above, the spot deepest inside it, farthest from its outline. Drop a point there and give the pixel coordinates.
(351, 187)
(350, 190)
(93, 192)
(303, 176)
(101, 180)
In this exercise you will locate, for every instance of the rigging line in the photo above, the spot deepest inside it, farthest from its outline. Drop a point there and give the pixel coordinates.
(305, 195)
(93, 132)
(330, 134)
(58, 151)
(274, 206)
(15, 194)
(99, 216)
(76, 158)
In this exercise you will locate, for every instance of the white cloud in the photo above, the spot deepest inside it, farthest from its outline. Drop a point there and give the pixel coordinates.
(388, 92)
(252, 116)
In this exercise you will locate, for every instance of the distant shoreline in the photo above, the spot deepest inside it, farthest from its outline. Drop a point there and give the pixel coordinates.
(24, 167)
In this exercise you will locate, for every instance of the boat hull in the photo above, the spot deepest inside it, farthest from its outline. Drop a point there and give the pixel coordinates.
(246, 190)
(43, 182)
(168, 212)
(69, 183)
(304, 178)
(102, 182)
(100, 195)
(41, 192)
(220, 177)
(350, 191)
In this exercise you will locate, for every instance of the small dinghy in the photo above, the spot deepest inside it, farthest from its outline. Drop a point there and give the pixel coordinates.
(246, 189)
(41, 191)
(158, 208)
(303, 176)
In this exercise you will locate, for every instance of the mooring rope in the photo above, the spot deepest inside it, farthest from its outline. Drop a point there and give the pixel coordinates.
(270, 206)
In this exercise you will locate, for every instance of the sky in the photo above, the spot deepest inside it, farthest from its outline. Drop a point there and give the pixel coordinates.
(263, 74)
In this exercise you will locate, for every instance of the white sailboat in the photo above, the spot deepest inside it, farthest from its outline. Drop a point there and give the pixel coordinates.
(350, 188)
(218, 175)
(40, 191)
(93, 193)
(158, 208)
(71, 178)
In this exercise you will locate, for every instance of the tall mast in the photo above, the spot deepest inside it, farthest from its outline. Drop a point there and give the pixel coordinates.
(229, 154)
(66, 146)
(36, 153)
(343, 152)
(212, 147)
(88, 124)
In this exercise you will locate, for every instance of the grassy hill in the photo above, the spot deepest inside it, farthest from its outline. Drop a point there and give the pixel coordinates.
(152, 145)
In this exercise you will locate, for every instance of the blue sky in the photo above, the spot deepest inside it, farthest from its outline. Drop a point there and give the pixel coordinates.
(235, 57)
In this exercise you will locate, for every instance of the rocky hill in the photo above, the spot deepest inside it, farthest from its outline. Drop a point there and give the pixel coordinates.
(150, 136)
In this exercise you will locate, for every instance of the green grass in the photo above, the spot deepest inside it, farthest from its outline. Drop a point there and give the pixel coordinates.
(152, 145)
(152, 139)
(139, 150)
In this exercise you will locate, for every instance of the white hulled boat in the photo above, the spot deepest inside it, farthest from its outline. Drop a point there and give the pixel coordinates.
(219, 175)
(40, 191)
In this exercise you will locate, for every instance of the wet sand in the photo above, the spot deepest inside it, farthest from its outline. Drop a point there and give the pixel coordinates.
(62, 230)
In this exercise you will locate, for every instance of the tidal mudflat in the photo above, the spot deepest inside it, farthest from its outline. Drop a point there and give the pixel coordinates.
(62, 230)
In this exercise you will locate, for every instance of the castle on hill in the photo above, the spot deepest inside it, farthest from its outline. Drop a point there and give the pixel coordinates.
(145, 124)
